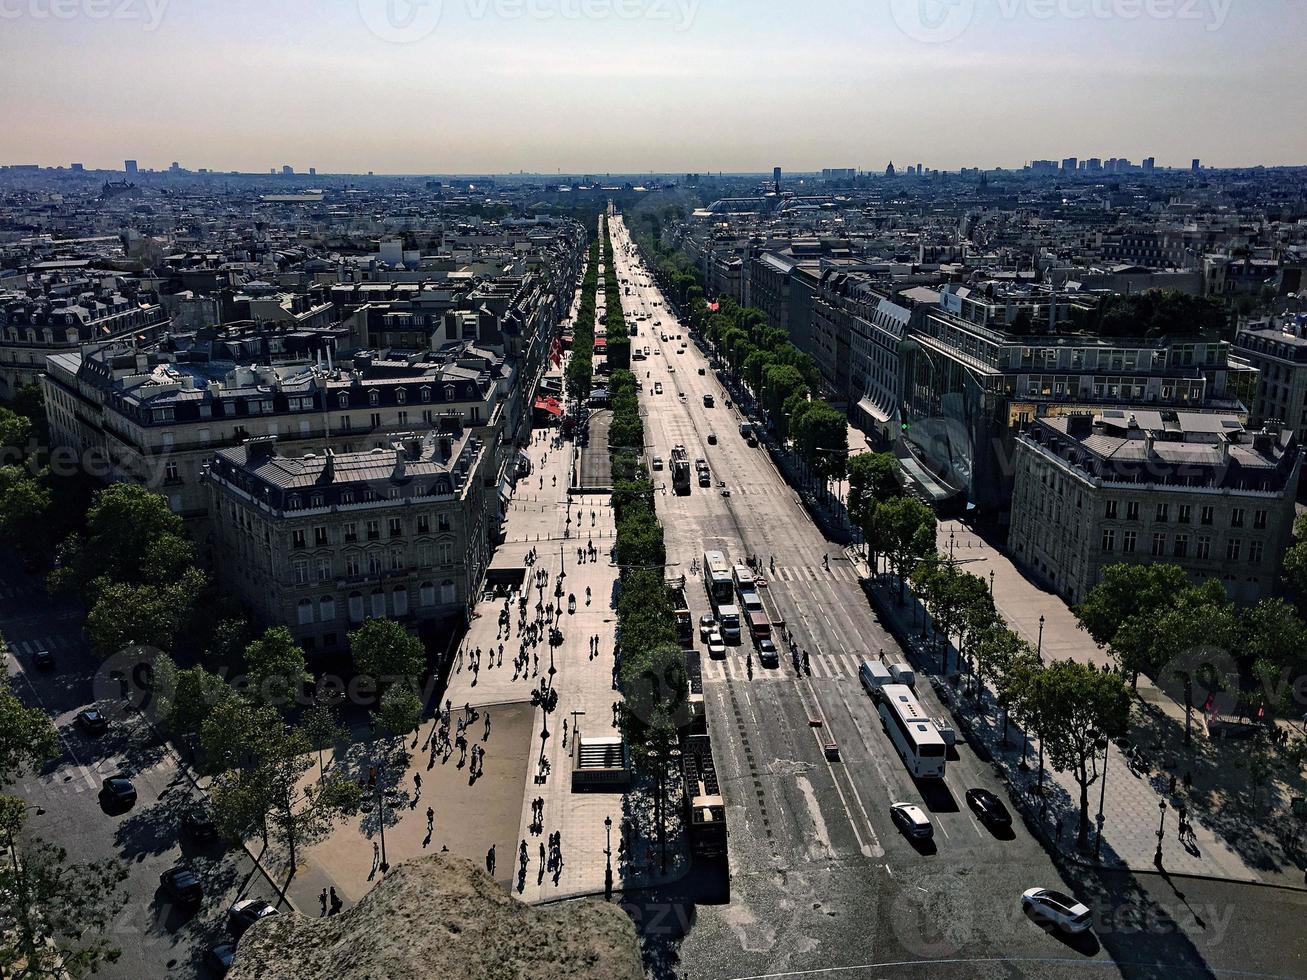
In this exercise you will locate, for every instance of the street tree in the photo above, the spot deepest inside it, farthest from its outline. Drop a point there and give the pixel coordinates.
(822, 433)
(321, 726)
(994, 651)
(905, 529)
(125, 613)
(28, 738)
(384, 650)
(1121, 611)
(400, 711)
(24, 511)
(1078, 708)
(123, 526)
(55, 916)
(276, 669)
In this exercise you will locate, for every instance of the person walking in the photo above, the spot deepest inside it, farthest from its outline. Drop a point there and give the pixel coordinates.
(486, 736)
(335, 902)
(490, 860)
(322, 901)
(431, 820)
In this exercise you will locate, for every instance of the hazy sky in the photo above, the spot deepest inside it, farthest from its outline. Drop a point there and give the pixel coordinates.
(449, 86)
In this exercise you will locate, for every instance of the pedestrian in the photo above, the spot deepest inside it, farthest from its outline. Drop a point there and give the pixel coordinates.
(335, 902)
(490, 860)
(487, 734)
(322, 901)
(564, 733)
(431, 819)
(542, 857)
(1188, 780)
(417, 785)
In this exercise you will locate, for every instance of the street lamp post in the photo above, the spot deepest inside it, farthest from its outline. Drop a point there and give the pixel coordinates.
(1161, 832)
(991, 583)
(1039, 650)
(608, 857)
(1102, 797)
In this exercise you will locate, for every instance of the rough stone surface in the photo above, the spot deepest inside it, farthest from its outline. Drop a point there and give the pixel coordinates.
(444, 917)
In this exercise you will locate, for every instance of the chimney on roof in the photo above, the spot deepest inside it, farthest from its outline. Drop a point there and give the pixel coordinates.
(329, 467)
(260, 449)
(446, 448)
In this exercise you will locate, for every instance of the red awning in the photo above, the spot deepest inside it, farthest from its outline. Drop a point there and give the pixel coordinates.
(549, 405)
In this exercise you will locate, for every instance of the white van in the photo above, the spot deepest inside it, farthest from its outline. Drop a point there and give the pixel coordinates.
(903, 674)
(874, 676)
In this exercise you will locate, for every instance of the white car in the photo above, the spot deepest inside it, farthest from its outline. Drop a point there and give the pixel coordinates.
(1061, 910)
(707, 627)
(911, 821)
(658, 462)
(716, 648)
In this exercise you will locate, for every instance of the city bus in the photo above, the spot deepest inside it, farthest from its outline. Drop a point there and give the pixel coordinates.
(912, 731)
(717, 578)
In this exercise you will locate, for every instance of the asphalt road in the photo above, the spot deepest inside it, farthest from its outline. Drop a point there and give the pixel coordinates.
(822, 883)
(155, 938)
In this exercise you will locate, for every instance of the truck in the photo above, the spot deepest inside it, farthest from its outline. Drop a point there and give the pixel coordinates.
(681, 610)
(759, 620)
(680, 470)
(729, 617)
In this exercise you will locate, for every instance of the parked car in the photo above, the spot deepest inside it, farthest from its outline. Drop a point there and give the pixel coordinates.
(219, 958)
(245, 913)
(707, 626)
(199, 825)
(911, 821)
(705, 478)
(989, 808)
(768, 655)
(182, 885)
(1061, 910)
(43, 659)
(92, 722)
(118, 791)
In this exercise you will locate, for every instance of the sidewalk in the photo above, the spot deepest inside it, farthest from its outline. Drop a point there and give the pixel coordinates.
(1225, 844)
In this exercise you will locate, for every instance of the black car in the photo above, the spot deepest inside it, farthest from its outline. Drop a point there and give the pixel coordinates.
(989, 808)
(219, 958)
(182, 885)
(92, 722)
(199, 825)
(767, 654)
(43, 660)
(118, 791)
(245, 913)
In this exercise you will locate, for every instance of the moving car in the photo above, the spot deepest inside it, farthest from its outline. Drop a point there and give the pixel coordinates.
(657, 462)
(712, 438)
(43, 660)
(705, 478)
(707, 626)
(658, 387)
(1059, 909)
(118, 791)
(988, 808)
(245, 913)
(768, 655)
(92, 722)
(911, 821)
(182, 885)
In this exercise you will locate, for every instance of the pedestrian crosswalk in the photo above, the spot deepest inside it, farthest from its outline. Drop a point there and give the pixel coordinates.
(824, 665)
(53, 642)
(840, 571)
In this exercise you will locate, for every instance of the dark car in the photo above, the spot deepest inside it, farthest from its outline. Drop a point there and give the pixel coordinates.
(219, 958)
(182, 885)
(767, 653)
(245, 913)
(92, 722)
(118, 791)
(989, 808)
(43, 660)
(199, 825)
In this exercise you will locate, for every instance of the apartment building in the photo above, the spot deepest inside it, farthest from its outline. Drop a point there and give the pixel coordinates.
(1277, 348)
(1193, 489)
(324, 541)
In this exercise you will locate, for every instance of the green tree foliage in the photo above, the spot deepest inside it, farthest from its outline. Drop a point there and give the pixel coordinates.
(153, 615)
(905, 533)
(1080, 708)
(400, 711)
(1156, 313)
(276, 669)
(1122, 610)
(24, 511)
(384, 650)
(54, 915)
(822, 433)
(27, 736)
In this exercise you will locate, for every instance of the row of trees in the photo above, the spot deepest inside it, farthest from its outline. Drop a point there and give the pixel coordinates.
(618, 341)
(1155, 621)
(54, 914)
(580, 369)
(258, 737)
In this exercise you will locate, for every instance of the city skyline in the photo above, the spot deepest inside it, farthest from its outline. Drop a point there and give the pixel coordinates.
(626, 86)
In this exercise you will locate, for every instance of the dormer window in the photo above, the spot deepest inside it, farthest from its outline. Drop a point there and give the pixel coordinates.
(293, 502)
(374, 398)
(450, 391)
(426, 393)
(401, 396)
(343, 400)
(317, 500)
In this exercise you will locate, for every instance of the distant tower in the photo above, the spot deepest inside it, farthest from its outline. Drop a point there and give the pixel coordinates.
(776, 179)
(889, 171)
(130, 167)
(1197, 165)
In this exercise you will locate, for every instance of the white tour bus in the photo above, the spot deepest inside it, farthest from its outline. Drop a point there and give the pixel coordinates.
(912, 731)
